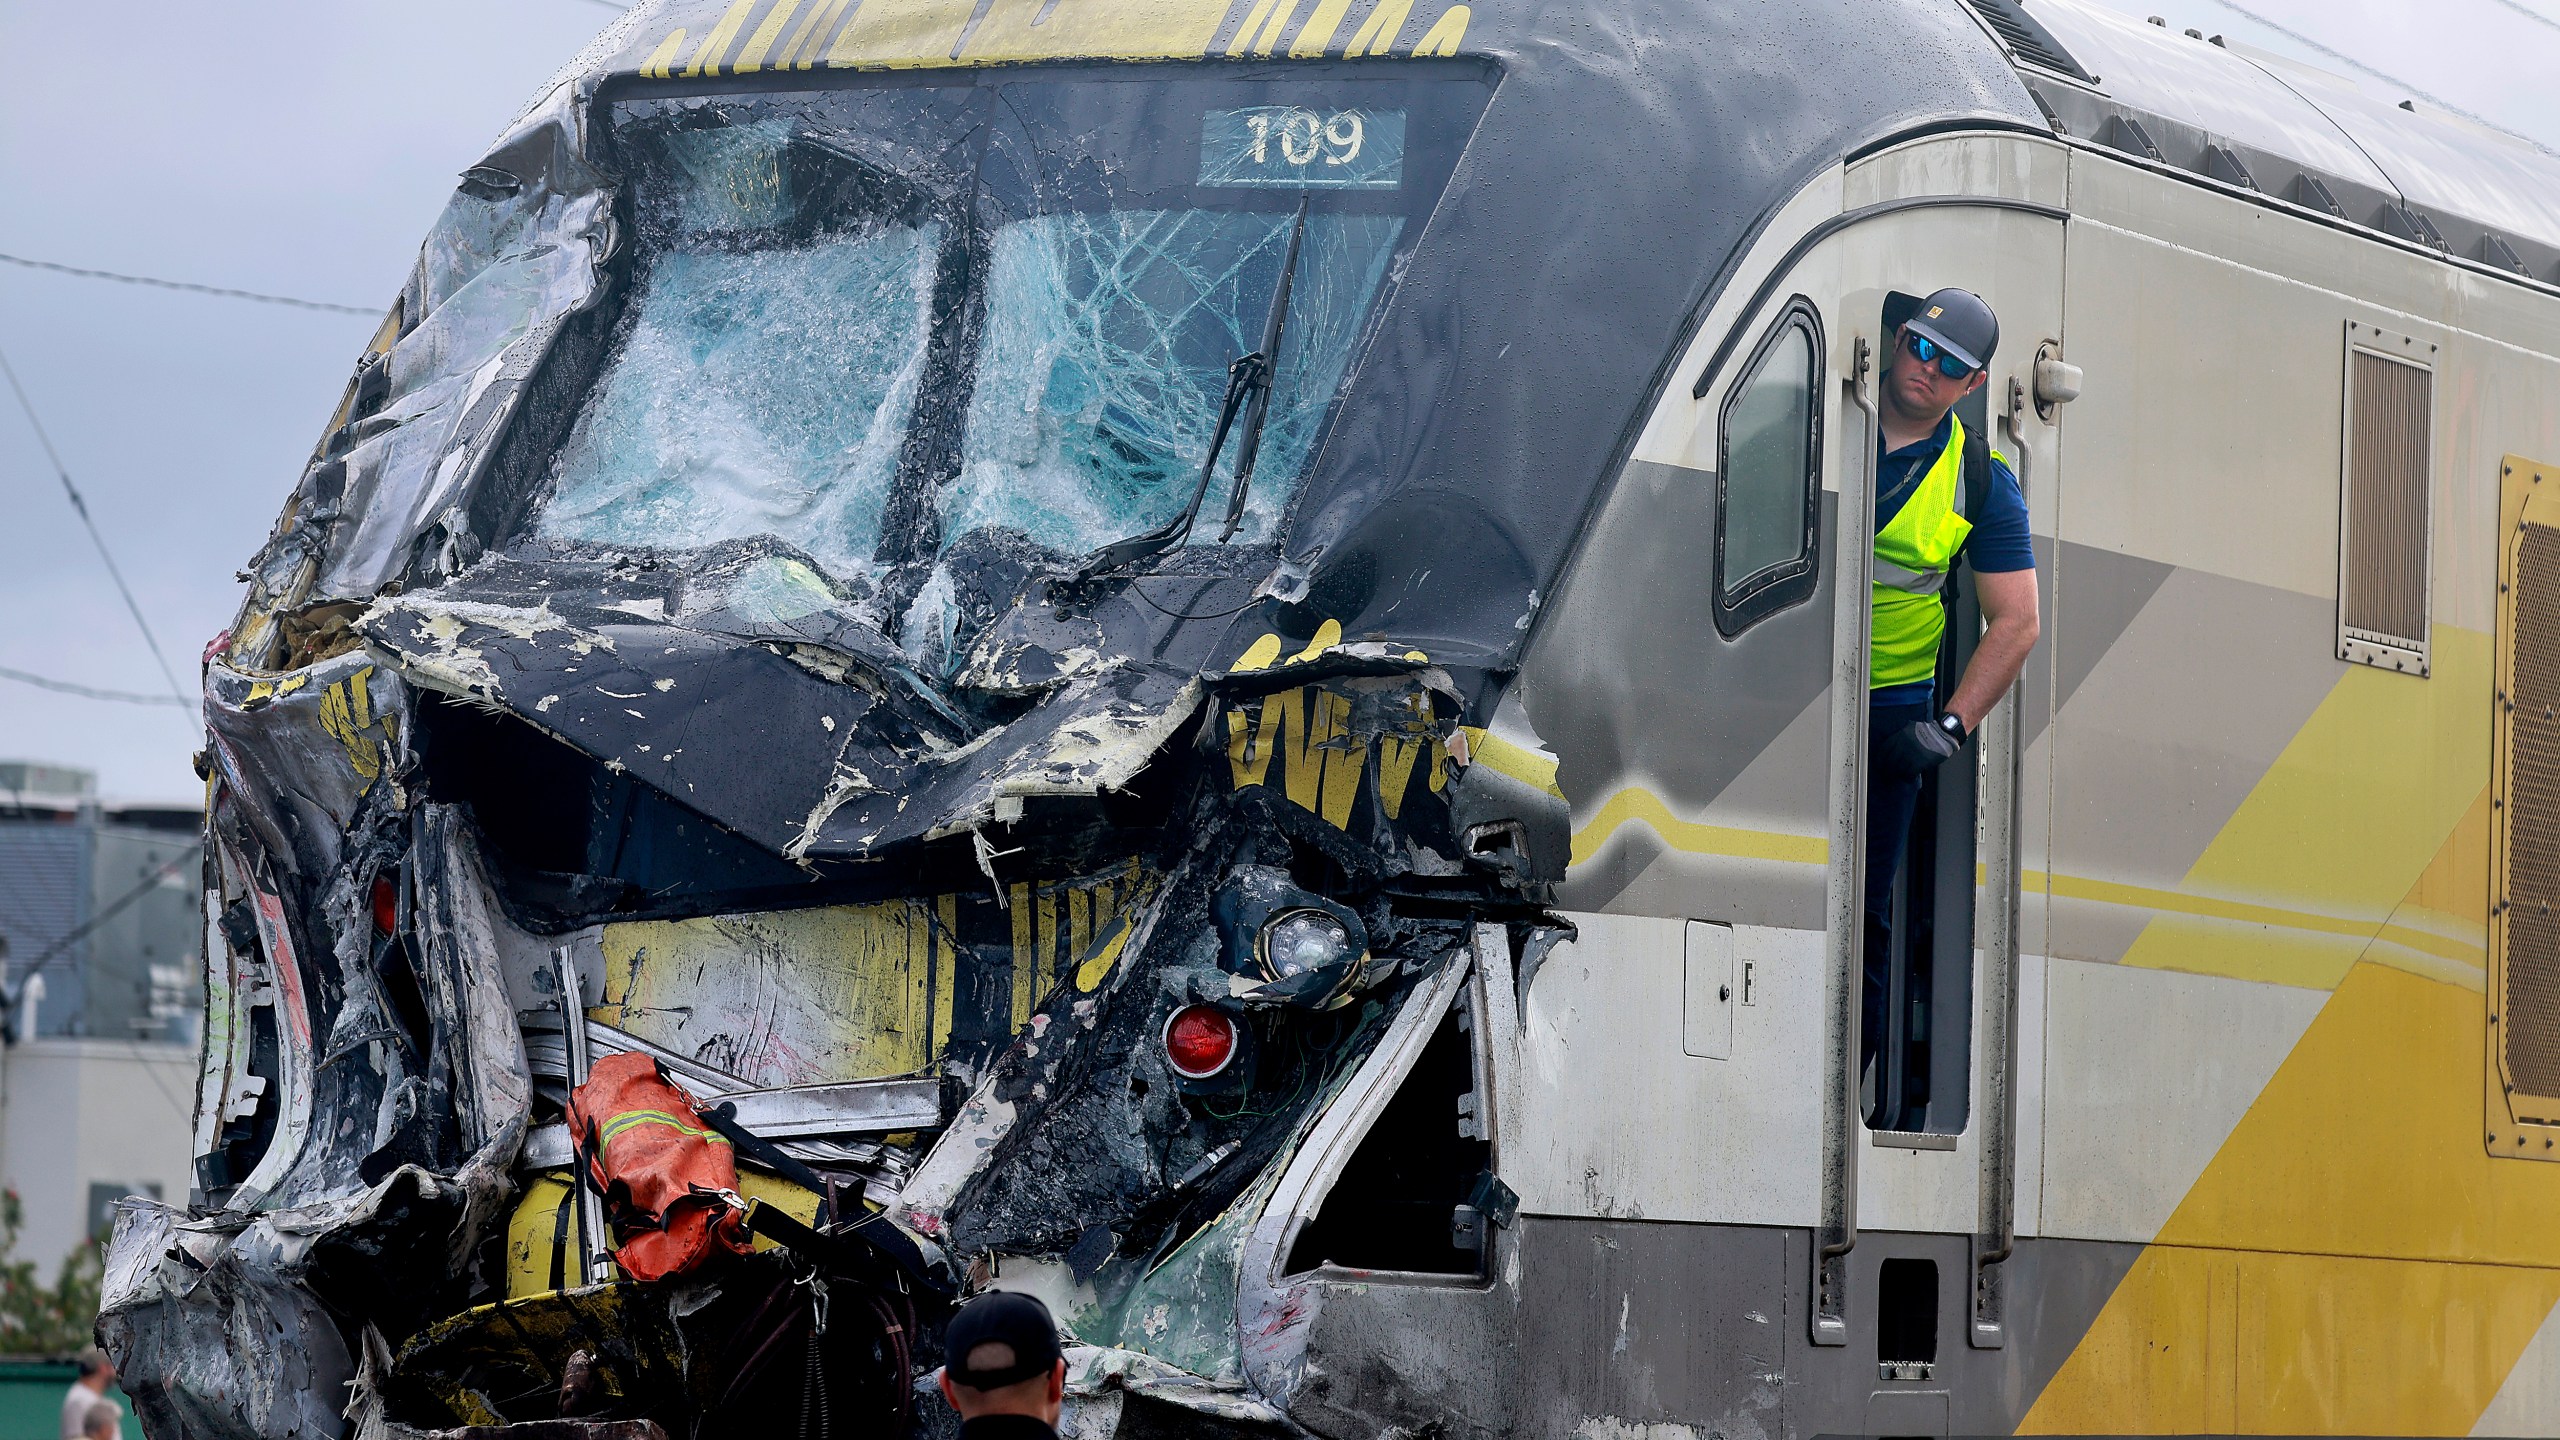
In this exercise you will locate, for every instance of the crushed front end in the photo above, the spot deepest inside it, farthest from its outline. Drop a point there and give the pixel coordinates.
(796, 590)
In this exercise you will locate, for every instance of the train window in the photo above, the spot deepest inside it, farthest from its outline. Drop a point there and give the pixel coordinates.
(1769, 474)
(2384, 505)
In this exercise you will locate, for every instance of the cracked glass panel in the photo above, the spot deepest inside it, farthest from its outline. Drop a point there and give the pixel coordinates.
(1105, 358)
(878, 321)
(756, 394)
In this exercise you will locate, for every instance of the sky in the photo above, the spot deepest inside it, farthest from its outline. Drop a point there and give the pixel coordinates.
(303, 148)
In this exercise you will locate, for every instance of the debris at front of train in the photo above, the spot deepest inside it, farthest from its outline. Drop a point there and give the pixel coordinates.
(413, 1238)
(1020, 931)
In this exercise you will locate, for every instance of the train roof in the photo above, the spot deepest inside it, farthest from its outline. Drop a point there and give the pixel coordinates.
(2293, 134)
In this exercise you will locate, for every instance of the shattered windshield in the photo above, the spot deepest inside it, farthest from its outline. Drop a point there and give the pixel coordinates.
(881, 323)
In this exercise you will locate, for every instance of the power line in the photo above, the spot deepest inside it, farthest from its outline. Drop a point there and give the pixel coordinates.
(2517, 6)
(86, 692)
(2360, 67)
(112, 909)
(192, 288)
(82, 506)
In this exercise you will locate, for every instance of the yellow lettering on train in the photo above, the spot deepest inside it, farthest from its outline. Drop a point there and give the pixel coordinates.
(1377, 34)
(751, 59)
(1445, 33)
(706, 61)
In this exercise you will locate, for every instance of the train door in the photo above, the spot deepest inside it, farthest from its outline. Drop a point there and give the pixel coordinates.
(1920, 1128)
(1691, 1137)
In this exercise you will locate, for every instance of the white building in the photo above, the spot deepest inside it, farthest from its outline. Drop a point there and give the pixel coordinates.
(101, 993)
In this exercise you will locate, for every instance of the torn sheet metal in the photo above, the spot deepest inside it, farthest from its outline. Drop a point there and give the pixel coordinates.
(798, 728)
(300, 750)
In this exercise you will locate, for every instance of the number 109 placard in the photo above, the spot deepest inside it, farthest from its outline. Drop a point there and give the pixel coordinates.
(1296, 147)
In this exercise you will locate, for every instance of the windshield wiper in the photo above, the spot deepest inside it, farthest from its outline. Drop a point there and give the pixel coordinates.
(1248, 394)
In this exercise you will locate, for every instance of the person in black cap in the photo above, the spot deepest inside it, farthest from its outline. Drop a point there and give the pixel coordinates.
(1002, 1369)
(1943, 498)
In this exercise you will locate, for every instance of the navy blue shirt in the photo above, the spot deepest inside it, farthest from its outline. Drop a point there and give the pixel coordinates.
(1999, 542)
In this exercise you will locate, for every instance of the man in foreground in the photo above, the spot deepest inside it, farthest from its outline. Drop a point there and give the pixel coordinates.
(1002, 1369)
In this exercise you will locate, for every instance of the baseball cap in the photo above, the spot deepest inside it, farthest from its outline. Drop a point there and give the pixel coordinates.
(1960, 323)
(1001, 1317)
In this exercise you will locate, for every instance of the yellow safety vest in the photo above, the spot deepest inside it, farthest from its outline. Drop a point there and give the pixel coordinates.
(1914, 552)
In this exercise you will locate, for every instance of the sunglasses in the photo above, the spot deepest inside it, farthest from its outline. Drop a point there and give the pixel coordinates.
(1930, 352)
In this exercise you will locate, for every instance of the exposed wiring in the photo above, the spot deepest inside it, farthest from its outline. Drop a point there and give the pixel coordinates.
(192, 288)
(82, 506)
(86, 692)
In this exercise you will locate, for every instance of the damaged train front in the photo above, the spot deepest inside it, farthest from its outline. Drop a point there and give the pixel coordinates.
(774, 773)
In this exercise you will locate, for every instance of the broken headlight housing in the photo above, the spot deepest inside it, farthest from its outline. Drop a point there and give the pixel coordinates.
(1299, 942)
(1302, 948)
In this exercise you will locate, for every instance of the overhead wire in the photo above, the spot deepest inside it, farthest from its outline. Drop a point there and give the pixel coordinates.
(105, 913)
(2528, 12)
(81, 505)
(86, 692)
(191, 287)
(2387, 78)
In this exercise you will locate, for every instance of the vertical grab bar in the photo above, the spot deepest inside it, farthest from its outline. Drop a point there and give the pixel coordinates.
(1844, 901)
(593, 1240)
(2003, 734)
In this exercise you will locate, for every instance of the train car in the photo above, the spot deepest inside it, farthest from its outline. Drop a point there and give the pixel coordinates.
(1208, 657)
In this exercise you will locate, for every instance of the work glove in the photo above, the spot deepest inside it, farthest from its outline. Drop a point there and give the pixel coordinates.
(1923, 745)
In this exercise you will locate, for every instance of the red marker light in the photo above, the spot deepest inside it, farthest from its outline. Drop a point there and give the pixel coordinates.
(386, 905)
(1199, 1041)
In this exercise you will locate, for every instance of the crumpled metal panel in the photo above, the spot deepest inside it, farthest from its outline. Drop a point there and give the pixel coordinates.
(519, 246)
(809, 734)
(302, 750)
(221, 1344)
(218, 1324)
(1458, 456)
(1487, 404)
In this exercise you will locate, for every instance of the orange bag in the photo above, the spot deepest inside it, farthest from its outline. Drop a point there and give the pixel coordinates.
(670, 1184)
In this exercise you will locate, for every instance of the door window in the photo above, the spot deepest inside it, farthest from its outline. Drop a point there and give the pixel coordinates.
(1768, 474)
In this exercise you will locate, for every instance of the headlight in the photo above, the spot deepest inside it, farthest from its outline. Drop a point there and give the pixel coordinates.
(1298, 941)
(1287, 945)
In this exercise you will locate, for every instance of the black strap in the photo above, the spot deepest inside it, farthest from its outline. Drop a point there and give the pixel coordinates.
(723, 1117)
(1978, 477)
(560, 1222)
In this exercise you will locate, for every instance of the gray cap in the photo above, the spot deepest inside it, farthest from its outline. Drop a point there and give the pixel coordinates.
(1961, 324)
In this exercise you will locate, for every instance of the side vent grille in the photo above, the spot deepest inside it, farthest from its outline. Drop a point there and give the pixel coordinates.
(2531, 1018)
(2521, 1093)
(2027, 38)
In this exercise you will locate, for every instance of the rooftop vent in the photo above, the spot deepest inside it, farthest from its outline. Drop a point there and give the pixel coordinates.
(2028, 41)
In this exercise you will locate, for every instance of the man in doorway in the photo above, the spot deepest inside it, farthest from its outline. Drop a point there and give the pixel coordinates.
(87, 1393)
(1941, 497)
(1002, 1369)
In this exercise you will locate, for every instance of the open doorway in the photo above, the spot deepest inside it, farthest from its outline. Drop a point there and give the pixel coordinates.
(1919, 1078)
